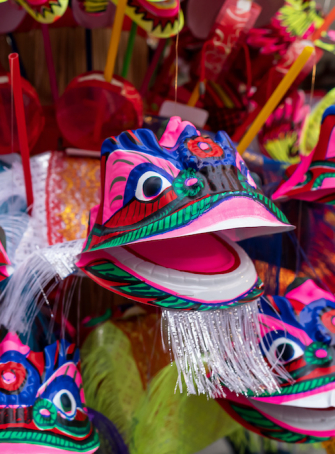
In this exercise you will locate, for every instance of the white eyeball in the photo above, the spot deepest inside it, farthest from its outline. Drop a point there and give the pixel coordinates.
(150, 185)
(285, 350)
(65, 403)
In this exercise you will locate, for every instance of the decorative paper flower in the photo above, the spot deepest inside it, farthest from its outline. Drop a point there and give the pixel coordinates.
(204, 147)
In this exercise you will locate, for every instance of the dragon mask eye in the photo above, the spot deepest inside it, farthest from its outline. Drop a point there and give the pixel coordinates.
(285, 349)
(150, 185)
(65, 403)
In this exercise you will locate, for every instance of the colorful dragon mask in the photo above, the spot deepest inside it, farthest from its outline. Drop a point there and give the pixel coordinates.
(299, 330)
(164, 235)
(172, 191)
(44, 11)
(42, 404)
(162, 18)
(313, 179)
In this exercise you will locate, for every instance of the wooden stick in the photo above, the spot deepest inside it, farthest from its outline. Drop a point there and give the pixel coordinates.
(129, 50)
(115, 39)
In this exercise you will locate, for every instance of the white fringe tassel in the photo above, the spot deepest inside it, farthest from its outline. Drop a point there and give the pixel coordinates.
(21, 299)
(216, 348)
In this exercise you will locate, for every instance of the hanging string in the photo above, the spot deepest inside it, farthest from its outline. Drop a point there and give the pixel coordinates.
(297, 263)
(312, 86)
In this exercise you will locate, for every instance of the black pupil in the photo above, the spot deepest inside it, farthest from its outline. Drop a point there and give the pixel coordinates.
(285, 352)
(152, 186)
(66, 402)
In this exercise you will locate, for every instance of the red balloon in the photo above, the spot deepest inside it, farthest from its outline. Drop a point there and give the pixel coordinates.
(92, 109)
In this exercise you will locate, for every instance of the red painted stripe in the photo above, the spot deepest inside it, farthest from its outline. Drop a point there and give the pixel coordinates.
(162, 202)
(148, 209)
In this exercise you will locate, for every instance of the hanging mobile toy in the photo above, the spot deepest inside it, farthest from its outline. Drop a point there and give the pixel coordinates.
(298, 329)
(313, 180)
(143, 244)
(172, 191)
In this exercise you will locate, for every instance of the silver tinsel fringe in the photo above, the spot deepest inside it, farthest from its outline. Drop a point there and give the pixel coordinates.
(21, 299)
(220, 347)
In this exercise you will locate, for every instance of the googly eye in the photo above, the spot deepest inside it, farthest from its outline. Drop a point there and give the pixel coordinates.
(65, 403)
(150, 185)
(285, 350)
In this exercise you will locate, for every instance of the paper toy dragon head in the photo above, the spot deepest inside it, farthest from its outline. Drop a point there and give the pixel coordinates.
(299, 330)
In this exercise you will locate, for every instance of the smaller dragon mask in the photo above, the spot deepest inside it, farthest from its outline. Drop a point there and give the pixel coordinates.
(299, 331)
(42, 404)
(313, 179)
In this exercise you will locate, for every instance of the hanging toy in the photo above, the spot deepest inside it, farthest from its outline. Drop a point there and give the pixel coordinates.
(299, 330)
(313, 180)
(172, 191)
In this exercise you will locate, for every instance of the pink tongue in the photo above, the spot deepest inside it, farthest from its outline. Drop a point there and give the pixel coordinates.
(203, 254)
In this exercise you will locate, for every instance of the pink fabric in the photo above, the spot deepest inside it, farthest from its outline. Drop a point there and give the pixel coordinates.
(12, 342)
(308, 292)
(297, 177)
(182, 254)
(172, 132)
